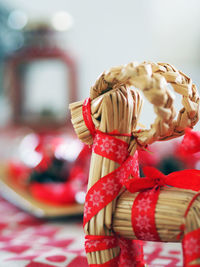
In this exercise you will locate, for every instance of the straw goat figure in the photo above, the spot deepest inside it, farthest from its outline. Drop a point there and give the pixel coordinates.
(117, 219)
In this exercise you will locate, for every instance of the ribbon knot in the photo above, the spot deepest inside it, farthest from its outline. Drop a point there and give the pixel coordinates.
(153, 179)
(186, 179)
(159, 181)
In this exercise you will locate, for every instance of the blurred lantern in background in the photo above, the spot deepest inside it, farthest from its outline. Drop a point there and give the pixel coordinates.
(41, 76)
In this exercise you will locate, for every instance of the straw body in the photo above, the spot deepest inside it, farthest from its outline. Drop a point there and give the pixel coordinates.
(170, 209)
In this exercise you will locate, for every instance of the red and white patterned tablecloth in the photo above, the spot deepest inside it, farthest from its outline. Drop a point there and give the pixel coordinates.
(29, 242)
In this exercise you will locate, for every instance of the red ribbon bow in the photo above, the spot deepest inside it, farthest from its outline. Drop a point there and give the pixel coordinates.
(186, 179)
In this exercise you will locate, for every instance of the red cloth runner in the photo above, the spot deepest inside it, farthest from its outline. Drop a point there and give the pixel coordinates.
(58, 244)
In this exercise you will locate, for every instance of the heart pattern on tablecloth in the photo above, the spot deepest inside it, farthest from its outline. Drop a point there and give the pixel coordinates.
(29, 242)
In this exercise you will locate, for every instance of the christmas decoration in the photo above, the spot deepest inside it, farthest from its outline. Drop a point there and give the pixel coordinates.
(122, 209)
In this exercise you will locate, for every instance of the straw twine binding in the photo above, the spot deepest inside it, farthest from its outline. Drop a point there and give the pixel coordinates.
(111, 88)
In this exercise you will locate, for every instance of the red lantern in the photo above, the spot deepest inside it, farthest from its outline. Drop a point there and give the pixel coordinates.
(41, 79)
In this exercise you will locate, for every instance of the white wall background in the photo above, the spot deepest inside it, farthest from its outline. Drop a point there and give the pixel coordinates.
(111, 32)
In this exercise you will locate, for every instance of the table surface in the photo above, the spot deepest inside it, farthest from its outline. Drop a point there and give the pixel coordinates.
(26, 241)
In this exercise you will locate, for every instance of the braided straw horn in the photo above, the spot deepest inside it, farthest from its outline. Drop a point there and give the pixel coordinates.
(152, 79)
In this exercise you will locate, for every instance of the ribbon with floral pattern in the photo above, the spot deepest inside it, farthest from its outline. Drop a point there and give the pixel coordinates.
(108, 187)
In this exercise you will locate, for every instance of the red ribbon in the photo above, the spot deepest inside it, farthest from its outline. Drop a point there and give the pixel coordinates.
(99, 242)
(108, 187)
(110, 147)
(145, 203)
(86, 111)
(143, 215)
(186, 179)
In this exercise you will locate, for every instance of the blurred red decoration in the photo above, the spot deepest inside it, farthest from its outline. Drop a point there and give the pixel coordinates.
(188, 151)
(191, 142)
(54, 177)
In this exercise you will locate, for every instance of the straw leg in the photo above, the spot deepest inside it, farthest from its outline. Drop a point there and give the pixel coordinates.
(191, 239)
(130, 254)
(104, 256)
(101, 253)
